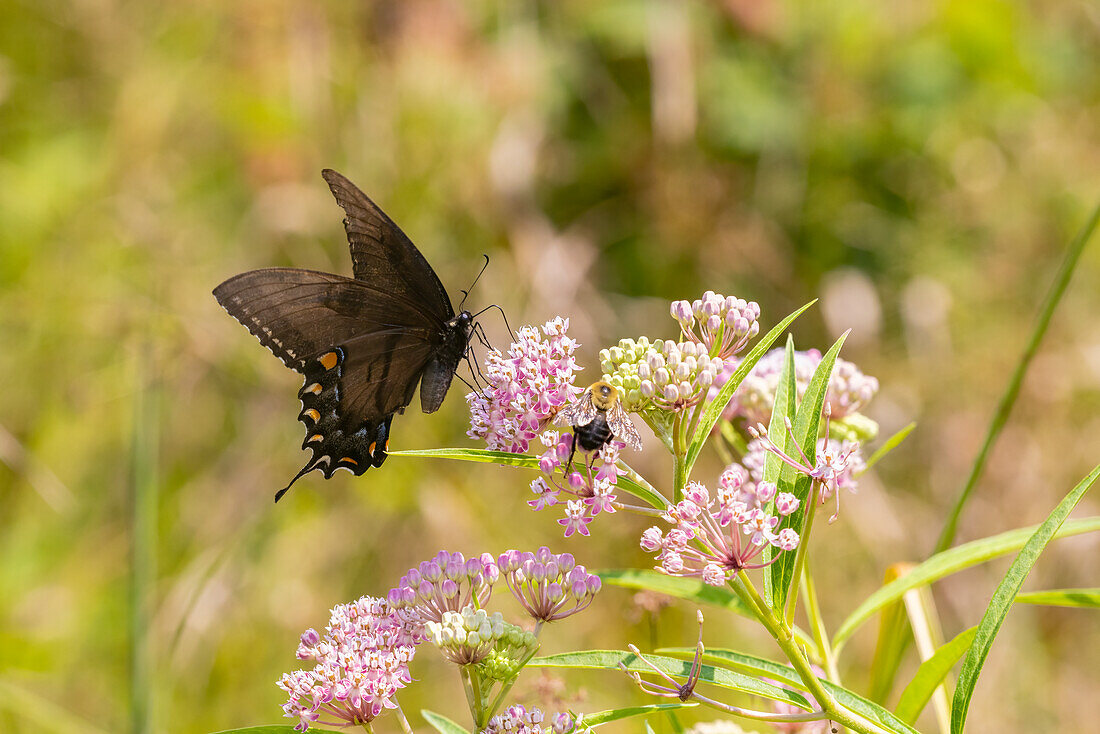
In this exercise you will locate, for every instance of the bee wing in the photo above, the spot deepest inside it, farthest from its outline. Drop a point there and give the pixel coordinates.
(580, 413)
(623, 428)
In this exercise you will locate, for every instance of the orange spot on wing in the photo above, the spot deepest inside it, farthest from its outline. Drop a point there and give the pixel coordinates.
(315, 388)
(328, 361)
(312, 414)
(315, 437)
(350, 460)
(371, 449)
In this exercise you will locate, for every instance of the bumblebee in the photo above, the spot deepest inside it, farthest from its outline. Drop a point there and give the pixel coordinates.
(597, 417)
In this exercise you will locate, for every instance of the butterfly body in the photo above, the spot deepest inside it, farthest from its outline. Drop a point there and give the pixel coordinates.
(362, 344)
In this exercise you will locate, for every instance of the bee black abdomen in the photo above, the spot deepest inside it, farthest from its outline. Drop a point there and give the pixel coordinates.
(595, 435)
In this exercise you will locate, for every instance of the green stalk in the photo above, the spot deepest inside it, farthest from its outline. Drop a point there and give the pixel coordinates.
(821, 636)
(1000, 417)
(800, 554)
(679, 458)
(776, 626)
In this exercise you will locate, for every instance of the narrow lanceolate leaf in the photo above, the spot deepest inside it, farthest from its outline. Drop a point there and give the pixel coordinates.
(930, 675)
(441, 723)
(611, 659)
(891, 443)
(717, 406)
(1008, 399)
(504, 458)
(1084, 598)
(1004, 595)
(783, 409)
(807, 423)
(691, 590)
(784, 674)
(951, 561)
(591, 721)
(893, 638)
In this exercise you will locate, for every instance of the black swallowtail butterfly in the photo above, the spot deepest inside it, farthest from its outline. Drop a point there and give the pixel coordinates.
(362, 343)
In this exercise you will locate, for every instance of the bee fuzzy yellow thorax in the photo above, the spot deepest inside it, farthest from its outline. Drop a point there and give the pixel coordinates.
(604, 395)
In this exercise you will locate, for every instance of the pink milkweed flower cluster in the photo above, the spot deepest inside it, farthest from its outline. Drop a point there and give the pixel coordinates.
(527, 387)
(716, 537)
(836, 465)
(849, 389)
(588, 491)
(723, 325)
(447, 583)
(361, 663)
(549, 587)
(519, 720)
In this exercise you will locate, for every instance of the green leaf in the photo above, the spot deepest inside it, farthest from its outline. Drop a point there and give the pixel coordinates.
(441, 723)
(754, 666)
(806, 427)
(930, 675)
(692, 590)
(783, 409)
(504, 458)
(1006, 591)
(1004, 408)
(948, 562)
(716, 407)
(1084, 598)
(891, 444)
(610, 660)
(893, 638)
(606, 717)
(276, 729)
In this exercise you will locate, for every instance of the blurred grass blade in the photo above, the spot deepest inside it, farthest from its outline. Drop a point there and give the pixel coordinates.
(931, 675)
(143, 528)
(759, 667)
(1083, 598)
(630, 712)
(948, 562)
(893, 639)
(504, 458)
(441, 723)
(1004, 595)
(891, 443)
(806, 426)
(610, 660)
(717, 406)
(786, 401)
(1004, 408)
(692, 590)
(928, 634)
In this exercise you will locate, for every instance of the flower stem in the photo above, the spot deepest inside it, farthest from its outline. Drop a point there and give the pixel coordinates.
(800, 554)
(821, 636)
(679, 455)
(781, 632)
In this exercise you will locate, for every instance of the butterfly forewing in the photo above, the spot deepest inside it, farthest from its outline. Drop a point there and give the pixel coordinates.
(382, 253)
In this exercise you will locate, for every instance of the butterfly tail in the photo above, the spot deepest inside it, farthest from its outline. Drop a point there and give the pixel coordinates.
(313, 463)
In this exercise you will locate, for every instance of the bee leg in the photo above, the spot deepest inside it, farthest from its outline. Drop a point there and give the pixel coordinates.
(572, 451)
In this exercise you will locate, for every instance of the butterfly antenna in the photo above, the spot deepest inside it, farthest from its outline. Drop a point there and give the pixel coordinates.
(466, 293)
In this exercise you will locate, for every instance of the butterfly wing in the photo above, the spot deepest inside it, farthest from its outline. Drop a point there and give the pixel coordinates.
(382, 254)
(361, 350)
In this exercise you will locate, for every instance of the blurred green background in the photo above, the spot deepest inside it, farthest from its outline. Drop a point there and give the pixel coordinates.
(919, 166)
